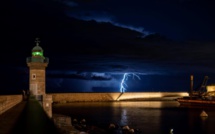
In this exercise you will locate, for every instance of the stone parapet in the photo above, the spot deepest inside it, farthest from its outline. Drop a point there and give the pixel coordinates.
(8, 101)
(76, 97)
(116, 96)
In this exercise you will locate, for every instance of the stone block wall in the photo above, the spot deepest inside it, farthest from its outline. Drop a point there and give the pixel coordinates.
(76, 97)
(81, 97)
(152, 95)
(8, 101)
(47, 105)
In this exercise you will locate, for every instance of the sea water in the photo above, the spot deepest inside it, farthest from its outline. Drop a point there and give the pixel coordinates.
(148, 117)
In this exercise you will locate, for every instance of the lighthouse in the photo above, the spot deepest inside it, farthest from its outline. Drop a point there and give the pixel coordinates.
(37, 64)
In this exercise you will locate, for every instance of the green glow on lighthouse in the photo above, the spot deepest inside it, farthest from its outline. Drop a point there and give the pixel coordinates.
(37, 54)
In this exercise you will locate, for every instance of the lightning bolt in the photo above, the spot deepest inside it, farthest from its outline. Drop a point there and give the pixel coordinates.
(123, 84)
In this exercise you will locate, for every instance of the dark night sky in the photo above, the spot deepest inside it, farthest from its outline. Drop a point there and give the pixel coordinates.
(92, 43)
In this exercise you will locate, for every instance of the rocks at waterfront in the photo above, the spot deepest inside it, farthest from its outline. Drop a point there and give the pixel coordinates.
(68, 126)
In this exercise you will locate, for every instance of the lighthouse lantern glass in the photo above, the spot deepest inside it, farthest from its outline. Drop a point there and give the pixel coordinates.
(37, 53)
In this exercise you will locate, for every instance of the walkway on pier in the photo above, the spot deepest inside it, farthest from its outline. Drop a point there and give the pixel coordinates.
(27, 117)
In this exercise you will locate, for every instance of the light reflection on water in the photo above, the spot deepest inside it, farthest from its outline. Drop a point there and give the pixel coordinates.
(155, 117)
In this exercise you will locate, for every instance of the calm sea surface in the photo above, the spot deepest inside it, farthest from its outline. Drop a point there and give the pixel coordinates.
(150, 117)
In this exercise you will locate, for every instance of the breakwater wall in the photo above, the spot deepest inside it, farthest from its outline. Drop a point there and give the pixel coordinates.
(8, 101)
(116, 96)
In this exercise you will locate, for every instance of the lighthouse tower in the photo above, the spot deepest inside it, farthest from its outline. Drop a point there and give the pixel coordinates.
(37, 64)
